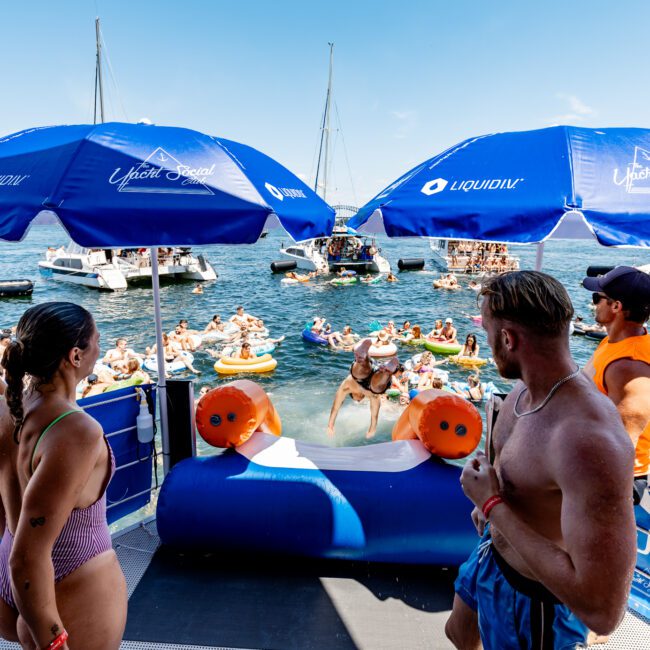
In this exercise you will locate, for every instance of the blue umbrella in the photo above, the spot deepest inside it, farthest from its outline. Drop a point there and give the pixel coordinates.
(524, 187)
(135, 185)
(132, 185)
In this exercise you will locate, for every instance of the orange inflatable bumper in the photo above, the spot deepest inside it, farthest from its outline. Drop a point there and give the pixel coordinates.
(447, 425)
(228, 415)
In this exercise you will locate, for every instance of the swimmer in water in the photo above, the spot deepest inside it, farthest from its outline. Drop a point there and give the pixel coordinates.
(365, 380)
(198, 289)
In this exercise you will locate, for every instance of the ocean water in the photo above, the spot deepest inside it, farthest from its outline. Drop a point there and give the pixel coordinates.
(305, 381)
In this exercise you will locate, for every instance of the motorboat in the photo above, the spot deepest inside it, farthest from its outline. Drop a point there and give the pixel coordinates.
(114, 269)
(344, 249)
(469, 256)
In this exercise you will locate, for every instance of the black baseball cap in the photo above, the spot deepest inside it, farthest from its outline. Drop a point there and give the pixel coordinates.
(624, 283)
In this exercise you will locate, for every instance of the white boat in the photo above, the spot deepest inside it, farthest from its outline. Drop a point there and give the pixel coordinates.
(113, 269)
(344, 249)
(469, 256)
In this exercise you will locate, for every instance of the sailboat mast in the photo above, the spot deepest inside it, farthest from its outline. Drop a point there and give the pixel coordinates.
(323, 153)
(98, 76)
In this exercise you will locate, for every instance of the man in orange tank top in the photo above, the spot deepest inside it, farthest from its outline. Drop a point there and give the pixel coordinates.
(620, 366)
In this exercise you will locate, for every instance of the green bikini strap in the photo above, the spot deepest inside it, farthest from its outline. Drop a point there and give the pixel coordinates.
(47, 428)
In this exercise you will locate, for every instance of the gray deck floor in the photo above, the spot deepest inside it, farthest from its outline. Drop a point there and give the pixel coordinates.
(363, 607)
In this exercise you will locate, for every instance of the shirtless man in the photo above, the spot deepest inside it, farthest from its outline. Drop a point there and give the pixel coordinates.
(241, 318)
(364, 380)
(620, 366)
(559, 552)
(449, 333)
(120, 354)
(215, 325)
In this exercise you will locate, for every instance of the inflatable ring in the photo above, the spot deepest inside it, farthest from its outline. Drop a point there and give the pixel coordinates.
(389, 350)
(227, 366)
(447, 425)
(228, 416)
(343, 281)
(151, 363)
(310, 337)
(468, 362)
(441, 347)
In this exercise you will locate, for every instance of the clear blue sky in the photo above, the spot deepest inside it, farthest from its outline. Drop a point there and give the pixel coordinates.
(411, 77)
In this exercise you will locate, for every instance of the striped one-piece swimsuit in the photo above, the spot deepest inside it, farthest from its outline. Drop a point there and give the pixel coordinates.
(84, 536)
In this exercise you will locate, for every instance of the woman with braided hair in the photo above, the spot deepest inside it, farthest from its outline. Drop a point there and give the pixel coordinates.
(61, 585)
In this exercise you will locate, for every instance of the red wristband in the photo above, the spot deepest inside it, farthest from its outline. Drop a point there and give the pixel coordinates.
(494, 500)
(59, 642)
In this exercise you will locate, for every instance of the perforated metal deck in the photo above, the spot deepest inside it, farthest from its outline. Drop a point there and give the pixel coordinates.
(372, 623)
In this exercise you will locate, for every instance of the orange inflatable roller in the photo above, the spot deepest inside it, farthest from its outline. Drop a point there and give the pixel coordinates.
(447, 425)
(228, 416)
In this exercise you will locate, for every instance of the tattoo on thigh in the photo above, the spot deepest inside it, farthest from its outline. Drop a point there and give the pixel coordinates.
(55, 629)
(37, 521)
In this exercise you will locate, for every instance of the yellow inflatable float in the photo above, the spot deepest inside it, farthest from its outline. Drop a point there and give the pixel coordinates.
(229, 366)
(468, 362)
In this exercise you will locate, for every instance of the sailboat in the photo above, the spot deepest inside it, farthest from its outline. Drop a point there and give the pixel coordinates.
(114, 269)
(346, 248)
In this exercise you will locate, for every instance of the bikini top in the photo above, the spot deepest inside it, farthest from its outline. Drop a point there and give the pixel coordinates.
(365, 382)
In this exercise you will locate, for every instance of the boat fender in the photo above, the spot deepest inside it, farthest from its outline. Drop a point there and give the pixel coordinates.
(227, 416)
(447, 425)
(411, 264)
(282, 267)
(594, 271)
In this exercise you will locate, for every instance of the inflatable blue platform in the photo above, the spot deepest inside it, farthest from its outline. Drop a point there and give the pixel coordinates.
(387, 502)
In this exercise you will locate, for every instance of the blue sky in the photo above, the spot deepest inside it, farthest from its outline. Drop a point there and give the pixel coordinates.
(411, 78)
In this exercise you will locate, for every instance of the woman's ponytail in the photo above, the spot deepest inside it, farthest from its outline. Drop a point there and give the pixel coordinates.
(14, 364)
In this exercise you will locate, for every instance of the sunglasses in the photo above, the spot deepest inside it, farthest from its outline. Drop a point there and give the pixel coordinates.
(597, 297)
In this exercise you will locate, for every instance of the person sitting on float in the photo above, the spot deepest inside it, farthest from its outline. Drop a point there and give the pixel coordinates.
(345, 273)
(215, 325)
(120, 353)
(436, 332)
(182, 338)
(390, 329)
(172, 351)
(365, 380)
(474, 392)
(414, 333)
(400, 381)
(319, 327)
(348, 338)
(240, 317)
(448, 332)
(470, 347)
(406, 328)
(257, 326)
(245, 352)
(133, 371)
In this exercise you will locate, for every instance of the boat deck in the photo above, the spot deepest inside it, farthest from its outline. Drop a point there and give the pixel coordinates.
(181, 601)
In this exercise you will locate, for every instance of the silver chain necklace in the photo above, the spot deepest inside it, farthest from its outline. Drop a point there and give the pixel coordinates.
(544, 402)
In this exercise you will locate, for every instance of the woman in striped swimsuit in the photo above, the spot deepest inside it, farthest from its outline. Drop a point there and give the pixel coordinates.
(59, 576)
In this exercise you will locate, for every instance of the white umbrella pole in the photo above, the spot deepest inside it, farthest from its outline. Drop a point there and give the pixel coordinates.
(160, 357)
(539, 258)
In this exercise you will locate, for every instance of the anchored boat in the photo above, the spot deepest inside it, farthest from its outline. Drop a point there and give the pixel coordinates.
(113, 269)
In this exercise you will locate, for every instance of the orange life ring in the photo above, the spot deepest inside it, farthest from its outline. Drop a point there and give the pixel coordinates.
(447, 425)
(227, 416)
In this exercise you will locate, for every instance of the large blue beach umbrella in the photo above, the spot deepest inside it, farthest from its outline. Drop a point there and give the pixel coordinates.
(117, 185)
(524, 187)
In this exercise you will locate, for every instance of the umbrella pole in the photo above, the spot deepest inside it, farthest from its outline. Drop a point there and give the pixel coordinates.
(160, 358)
(539, 258)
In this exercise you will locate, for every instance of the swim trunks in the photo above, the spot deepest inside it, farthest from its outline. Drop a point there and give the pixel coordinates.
(515, 612)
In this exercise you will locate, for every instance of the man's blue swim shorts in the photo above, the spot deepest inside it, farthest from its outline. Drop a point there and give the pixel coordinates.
(514, 612)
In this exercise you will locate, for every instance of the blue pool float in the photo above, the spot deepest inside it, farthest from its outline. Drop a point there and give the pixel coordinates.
(310, 337)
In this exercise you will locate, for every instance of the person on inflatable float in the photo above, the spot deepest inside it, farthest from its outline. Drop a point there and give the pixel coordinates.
(552, 497)
(365, 380)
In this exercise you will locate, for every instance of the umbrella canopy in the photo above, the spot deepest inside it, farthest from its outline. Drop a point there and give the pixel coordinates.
(519, 187)
(128, 185)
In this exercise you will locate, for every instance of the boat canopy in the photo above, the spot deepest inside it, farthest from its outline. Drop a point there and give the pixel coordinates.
(524, 187)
